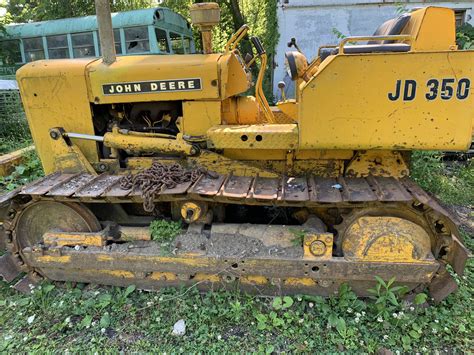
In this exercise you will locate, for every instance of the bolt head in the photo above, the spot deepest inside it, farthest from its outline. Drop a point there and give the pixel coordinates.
(54, 134)
(317, 248)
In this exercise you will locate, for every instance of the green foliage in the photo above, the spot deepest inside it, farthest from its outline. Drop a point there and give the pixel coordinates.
(465, 36)
(163, 230)
(40, 10)
(386, 295)
(453, 183)
(14, 130)
(24, 173)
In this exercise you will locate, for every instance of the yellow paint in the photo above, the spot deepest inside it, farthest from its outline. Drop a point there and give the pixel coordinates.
(118, 273)
(433, 29)
(241, 110)
(54, 259)
(289, 107)
(254, 280)
(54, 93)
(10, 160)
(263, 136)
(318, 246)
(386, 239)
(163, 276)
(147, 143)
(67, 158)
(304, 281)
(377, 163)
(104, 257)
(199, 116)
(73, 239)
(357, 114)
(207, 277)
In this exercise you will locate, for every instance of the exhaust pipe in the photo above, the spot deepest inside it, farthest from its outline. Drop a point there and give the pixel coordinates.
(106, 32)
(205, 16)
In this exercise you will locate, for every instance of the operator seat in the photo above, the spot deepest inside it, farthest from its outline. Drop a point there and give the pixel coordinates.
(391, 27)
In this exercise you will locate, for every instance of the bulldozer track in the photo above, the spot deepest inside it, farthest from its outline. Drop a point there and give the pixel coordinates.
(141, 269)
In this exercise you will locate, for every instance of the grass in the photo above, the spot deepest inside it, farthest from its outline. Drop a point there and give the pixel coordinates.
(81, 318)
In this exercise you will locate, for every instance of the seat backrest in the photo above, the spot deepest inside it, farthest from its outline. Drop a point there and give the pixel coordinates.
(391, 27)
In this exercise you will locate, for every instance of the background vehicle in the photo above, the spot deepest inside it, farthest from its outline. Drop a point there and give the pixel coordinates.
(147, 31)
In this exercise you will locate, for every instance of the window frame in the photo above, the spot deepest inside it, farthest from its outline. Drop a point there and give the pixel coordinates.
(182, 43)
(126, 42)
(92, 45)
(20, 51)
(43, 49)
(68, 49)
(167, 39)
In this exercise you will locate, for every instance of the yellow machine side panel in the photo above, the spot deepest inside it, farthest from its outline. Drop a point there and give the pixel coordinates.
(233, 76)
(199, 116)
(353, 102)
(54, 94)
(433, 28)
(148, 78)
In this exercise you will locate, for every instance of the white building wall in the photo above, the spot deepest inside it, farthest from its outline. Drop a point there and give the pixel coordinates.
(312, 22)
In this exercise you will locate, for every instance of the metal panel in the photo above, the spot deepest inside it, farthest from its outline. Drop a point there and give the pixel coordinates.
(325, 190)
(97, 186)
(43, 186)
(265, 189)
(356, 190)
(236, 187)
(69, 187)
(207, 186)
(388, 189)
(295, 189)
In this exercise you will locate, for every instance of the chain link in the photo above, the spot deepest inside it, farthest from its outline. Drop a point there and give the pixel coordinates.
(152, 181)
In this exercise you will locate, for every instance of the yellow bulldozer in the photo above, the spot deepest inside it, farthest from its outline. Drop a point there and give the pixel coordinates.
(296, 198)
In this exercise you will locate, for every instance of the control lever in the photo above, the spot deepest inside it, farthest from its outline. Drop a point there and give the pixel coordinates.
(258, 45)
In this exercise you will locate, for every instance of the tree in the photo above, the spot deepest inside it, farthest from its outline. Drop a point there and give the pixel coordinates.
(40, 10)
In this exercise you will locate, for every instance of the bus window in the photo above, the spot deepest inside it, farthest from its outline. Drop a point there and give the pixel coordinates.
(162, 41)
(33, 49)
(118, 42)
(136, 39)
(176, 43)
(57, 47)
(187, 44)
(10, 51)
(83, 45)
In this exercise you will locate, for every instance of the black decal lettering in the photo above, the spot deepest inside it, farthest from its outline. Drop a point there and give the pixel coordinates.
(410, 90)
(464, 86)
(447, 90)
(394, 96)
(433, 86)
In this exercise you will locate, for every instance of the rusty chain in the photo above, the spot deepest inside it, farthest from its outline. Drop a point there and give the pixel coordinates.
(152, 181)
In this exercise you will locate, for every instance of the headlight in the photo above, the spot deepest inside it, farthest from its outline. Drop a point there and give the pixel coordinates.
(296, 64)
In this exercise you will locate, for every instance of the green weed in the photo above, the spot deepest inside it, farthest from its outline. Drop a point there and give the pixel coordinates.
(453, 184)
(24, 173)
(164, 231)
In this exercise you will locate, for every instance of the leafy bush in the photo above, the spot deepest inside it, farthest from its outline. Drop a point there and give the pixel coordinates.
(164, 231)
(465, 36)
(24, 173)
(453, 184)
